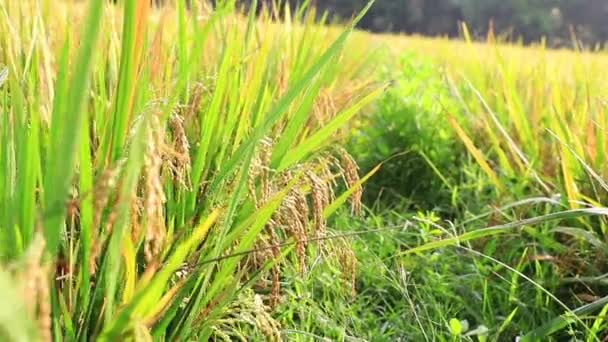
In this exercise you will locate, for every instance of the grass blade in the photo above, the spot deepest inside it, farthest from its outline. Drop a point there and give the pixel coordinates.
(66, 131)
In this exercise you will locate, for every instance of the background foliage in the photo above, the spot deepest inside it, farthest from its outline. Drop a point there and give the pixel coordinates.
(526, 19)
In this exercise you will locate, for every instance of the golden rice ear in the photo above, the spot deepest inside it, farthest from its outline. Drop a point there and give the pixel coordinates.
(348, 262)
(287, 220)
(198, 92)
(102, 193)
(269, 327)
(320, 194)
(153, 193)
(324, 168)
(350, 174)
(249, 308)
(260, 170)
(292, 220)
(297, 219)
(274, 251)
(137, 211)
(180, 163)
(105, 184)
(275, 293)
(325, 108)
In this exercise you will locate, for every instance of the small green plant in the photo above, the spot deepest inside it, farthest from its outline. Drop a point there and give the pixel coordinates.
(408, 133)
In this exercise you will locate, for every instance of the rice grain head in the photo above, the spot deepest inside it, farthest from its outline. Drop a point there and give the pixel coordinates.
(180, 162)
(153, 193)
(350, 173)
(320, 200)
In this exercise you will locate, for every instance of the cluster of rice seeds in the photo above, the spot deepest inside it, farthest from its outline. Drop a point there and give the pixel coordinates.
(341, 165)
(102, 195)
(35, 287)
(275, 293)
(290, 220)
(260, 313)
(137, 212)
(198, 93)
(350, 174)
(153, 194)
(159, 156)
(301, 214)
(259, 172)
(180, 162)
(321, 194)
(333, 100)
(348, 262)
(325, 107)
(248, 309)
(293, 215)
(104, 187)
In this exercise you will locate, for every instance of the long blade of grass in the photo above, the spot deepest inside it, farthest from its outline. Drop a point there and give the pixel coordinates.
(477, 154)
(560, 322)
(504, 228)
(66, 131)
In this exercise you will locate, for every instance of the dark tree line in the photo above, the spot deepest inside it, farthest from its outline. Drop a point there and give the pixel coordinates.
(529, 20)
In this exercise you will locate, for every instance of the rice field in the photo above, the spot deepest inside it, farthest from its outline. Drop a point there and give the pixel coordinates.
(212, 173)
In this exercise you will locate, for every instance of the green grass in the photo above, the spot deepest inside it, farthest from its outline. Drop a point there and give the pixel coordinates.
(520, 250)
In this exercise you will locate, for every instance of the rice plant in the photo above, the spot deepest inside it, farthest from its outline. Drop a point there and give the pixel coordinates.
(155, 160)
